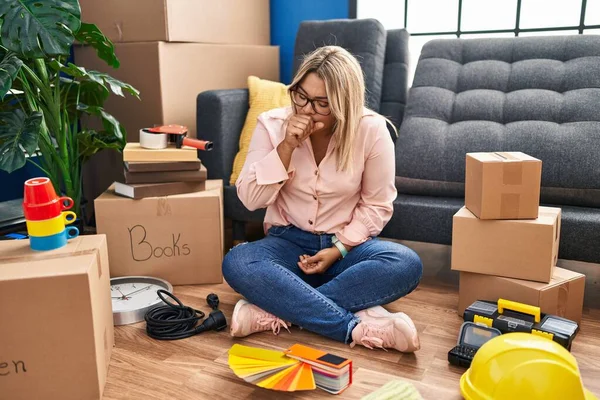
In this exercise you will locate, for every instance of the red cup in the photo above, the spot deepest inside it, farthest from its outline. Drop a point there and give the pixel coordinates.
(41, 202)
(39, 191)
(48, 210)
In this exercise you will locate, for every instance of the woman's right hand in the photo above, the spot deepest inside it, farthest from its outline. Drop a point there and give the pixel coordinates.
(299, 127)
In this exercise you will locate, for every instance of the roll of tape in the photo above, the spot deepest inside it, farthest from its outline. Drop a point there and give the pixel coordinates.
(150, 140)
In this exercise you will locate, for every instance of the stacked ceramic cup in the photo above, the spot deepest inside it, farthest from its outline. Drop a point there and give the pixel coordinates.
(46, 217)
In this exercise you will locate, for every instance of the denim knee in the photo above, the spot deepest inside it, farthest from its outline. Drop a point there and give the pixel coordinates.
(404, 265)
(413, 264)
(233, 265)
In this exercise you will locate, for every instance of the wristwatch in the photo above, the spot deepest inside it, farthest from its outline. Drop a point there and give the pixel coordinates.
(339, 245)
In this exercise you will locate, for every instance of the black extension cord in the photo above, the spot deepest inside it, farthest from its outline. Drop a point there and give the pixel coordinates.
(177, 321)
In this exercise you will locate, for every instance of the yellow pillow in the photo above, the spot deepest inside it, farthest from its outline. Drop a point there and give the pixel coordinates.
(264, 96)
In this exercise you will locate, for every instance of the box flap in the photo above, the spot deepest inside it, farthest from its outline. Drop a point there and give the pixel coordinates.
(502, 156)
(559, 277)
(40, 268)
(547, 216)
(19, 250)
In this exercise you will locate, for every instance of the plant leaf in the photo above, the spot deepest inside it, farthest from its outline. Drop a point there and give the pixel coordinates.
(11, 102)
(91, 141)
(9, 68)
(91, 35)
(115, 85)
(90, 93)
(18, 132)
(39, 28)
(69, 69)
(114, 130)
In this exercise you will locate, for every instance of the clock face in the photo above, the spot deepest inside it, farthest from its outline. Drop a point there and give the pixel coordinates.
(128, 296)
(133, 296)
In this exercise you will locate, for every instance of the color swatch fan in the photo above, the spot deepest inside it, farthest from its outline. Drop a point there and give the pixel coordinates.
(270, 369)
(297, 368)
(332, 373)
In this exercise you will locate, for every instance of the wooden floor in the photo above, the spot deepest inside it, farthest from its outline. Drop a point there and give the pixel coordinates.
(196, 368)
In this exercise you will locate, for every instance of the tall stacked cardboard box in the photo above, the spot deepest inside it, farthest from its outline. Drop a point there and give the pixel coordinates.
(172, 50)
(505, 244)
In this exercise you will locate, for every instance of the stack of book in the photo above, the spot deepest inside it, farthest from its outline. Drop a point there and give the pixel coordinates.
(164, 172)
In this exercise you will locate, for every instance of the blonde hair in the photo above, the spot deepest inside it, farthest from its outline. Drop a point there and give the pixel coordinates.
(345, 85)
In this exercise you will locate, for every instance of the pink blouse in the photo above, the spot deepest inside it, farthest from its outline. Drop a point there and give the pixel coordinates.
(354, 205)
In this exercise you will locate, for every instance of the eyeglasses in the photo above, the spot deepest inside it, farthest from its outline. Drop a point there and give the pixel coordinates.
(321, 107)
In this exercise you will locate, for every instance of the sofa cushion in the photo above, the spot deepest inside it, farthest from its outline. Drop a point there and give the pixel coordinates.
(364, 38)
(395, 77)
(538, 95)
(429, 219)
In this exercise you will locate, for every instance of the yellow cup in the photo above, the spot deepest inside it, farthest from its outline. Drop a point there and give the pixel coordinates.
(50, 226)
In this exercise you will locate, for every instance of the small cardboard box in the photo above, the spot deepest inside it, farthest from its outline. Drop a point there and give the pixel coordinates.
(202, 21)
(177, 238)
(522, 249)
(563, 296)
(56, 329)
(503, 185)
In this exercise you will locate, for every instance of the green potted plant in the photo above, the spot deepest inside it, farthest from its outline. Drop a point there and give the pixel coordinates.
(49, 106)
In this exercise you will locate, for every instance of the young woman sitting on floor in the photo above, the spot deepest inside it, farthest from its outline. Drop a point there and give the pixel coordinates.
(324, 169)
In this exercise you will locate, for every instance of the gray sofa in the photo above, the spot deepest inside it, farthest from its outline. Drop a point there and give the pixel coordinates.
(384, 59)
(538, 95)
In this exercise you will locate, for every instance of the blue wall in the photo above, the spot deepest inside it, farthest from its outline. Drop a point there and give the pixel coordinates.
(12, 184)
(286, 16)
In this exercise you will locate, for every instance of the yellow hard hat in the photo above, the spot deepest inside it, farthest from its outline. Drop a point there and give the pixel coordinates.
(523, 366)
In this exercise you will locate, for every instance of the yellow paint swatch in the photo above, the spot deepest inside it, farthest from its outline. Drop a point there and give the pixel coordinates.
(276, 370)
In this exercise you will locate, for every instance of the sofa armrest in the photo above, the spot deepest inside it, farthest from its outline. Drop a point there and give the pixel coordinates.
(220, 117)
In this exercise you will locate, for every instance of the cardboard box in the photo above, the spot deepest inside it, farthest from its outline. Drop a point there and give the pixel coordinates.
(177, 238)
(522, 249)
(563, 296)
(56, 330)
(503, 185)
(170, 76)
(202, 21)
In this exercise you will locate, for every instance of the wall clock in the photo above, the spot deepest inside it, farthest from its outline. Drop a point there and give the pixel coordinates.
(133, 296)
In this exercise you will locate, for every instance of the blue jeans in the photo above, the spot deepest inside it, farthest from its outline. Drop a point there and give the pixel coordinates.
(266, 273)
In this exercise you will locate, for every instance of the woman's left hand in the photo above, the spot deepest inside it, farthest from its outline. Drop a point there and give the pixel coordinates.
(320, 262)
